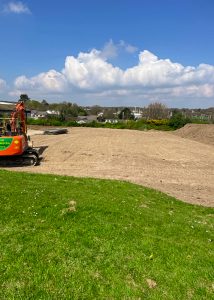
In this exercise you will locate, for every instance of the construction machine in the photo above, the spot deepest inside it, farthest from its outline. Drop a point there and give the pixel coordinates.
(14, 142)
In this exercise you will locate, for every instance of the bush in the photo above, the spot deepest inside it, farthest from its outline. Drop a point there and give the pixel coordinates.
(178, 120)
(129, 124)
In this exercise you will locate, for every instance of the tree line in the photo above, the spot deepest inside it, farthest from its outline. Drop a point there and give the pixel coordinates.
(68, 111)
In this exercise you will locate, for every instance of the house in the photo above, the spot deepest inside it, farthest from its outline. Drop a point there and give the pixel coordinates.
(35, 114)
(137, 115)
(53, 112)
(6, 108)
(86, 119)
(111, 121)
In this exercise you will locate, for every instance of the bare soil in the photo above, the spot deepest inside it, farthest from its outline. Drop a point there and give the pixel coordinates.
(197, 132)
(164, 161)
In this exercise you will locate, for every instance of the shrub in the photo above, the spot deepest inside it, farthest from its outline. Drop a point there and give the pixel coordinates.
(178, 120)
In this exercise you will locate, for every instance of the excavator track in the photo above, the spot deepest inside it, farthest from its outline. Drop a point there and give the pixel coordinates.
(29, 158)
(32, 156)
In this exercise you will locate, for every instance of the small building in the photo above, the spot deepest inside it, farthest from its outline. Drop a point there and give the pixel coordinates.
(86, 119)
(35, 114)
(6, 108)
(111, 121)
(53, 112)
(137, 115)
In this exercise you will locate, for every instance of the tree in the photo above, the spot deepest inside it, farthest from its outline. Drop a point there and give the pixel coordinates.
(45, 103)
(82, 111)
(34, 105)
(24, 97)
(157, 111)
(68, 110)
(126, 114)
(178, 120)
(94, 110)
(109, 113)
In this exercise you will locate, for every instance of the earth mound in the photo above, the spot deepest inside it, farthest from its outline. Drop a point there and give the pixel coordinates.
(203, 133)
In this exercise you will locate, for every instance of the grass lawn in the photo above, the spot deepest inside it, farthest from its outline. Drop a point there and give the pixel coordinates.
(115, 240)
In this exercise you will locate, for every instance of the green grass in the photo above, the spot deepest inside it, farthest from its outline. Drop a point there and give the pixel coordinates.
(120, 235)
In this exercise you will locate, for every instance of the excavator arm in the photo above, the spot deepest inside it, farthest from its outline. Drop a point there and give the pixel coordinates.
(19, 115)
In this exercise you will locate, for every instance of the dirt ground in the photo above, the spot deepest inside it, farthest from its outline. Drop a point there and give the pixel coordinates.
(162, 160)
(197, 132)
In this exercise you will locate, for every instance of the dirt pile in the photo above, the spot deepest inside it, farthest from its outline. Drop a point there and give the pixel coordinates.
(203, 133)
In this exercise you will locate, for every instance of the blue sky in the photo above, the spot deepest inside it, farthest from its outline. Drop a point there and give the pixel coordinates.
(108, 52)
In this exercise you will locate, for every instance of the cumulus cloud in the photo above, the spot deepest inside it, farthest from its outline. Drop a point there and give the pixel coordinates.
(52, 81)
(151, 78)
(127, 47)
(17, 8)
(112, 50)
(90, 71)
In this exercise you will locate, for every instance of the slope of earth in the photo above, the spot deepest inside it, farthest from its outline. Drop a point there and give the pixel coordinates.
(180, 167)
(203, 133)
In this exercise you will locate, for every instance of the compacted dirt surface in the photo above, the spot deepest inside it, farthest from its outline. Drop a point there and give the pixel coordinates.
(165, 161)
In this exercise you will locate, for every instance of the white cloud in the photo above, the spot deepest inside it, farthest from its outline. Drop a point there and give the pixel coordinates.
(52, 81)
(90, 76)
(110, 50)
(127, 47)
(131, 49)
(17, 8)
(89, 71)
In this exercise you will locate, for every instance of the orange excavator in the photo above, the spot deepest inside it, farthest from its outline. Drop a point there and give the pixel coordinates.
(14, 142)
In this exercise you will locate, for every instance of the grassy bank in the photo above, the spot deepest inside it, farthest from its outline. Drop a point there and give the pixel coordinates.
(71, 238)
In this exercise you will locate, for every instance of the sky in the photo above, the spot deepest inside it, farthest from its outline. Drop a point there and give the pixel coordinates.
(108, 52)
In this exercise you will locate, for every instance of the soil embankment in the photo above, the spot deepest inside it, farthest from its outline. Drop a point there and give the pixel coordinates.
(203, 133)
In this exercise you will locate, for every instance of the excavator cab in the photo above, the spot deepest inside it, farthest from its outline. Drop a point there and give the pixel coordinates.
(6, 129)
